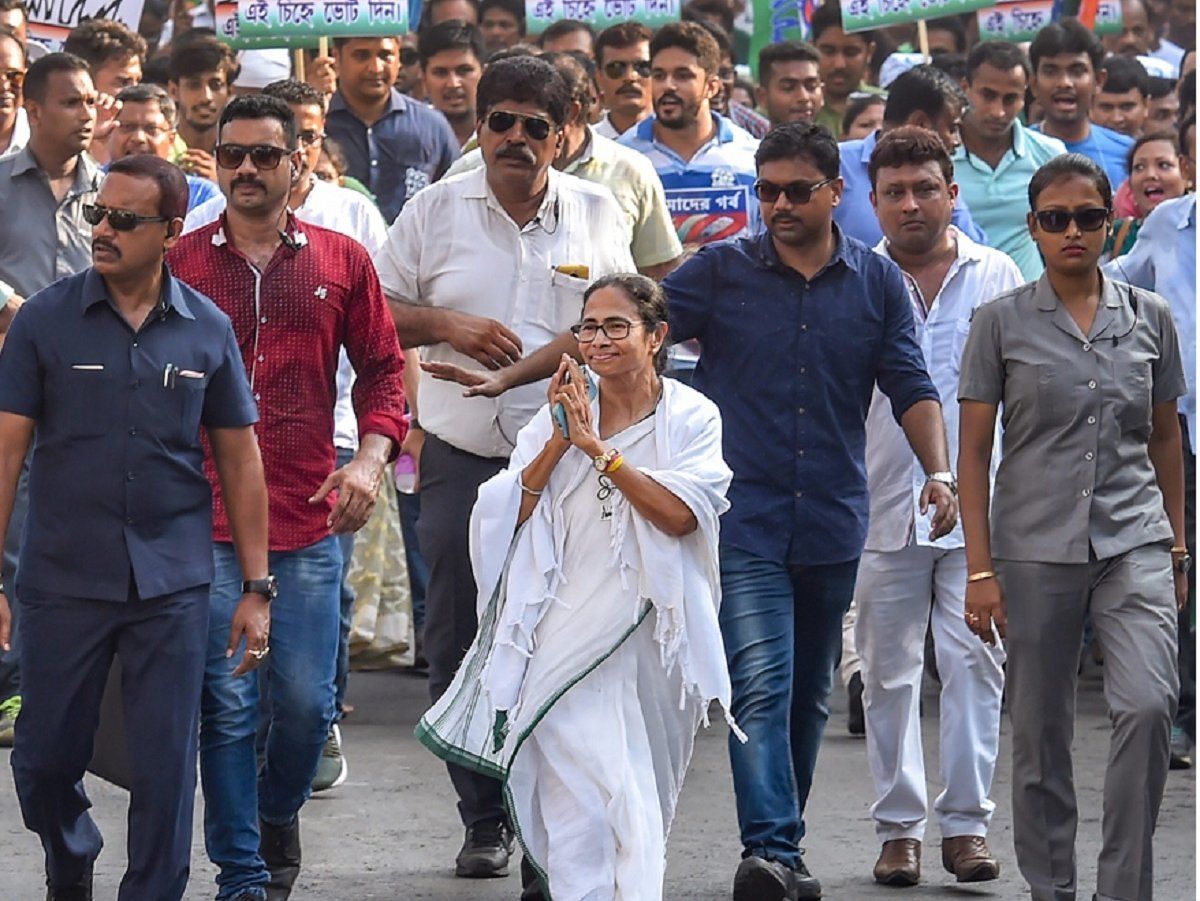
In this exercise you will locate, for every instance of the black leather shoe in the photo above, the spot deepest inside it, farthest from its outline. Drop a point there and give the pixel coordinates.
(808, 887)
(856, 724)
(280, 850)
(485, 851)
(80, 891)
(758, 879)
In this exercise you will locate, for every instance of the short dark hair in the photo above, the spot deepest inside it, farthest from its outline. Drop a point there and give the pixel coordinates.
(429, 6)
(620, 36)
(953, 25)
(1158, 87)
(784, 52)
(1125, 74)
(295, 93)
(576, 76)
(524, 79)
(38, 76)
(922, 89)
(453, 34)
(720, 35)
(953, 64)
(100, 41)
(6, 32)
(261, 106)
(909, 145)
(856, 106)
(803, 140)
(562, 28)
(515, 8)
(690, 38)
(702, 10)
(829, 15)
(1064, 166)
(647, 297)
(517, 50)
(1066, 36)
(172, 185)
(1003, 56)
(1185, 126)
(197, 57)
(150, 93)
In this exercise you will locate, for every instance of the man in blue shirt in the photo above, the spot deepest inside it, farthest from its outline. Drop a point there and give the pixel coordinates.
(117, 368)
(392, 144)
(1066, 60)
(796, 327)
(922, 96)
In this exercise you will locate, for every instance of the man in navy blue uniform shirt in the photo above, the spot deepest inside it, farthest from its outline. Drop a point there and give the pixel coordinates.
(117, 368)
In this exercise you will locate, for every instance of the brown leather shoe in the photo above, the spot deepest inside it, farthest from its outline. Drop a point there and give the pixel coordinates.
(899, 862)
(968, 858)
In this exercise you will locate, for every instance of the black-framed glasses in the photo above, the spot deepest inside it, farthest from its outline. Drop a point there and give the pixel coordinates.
(1089, 219)
(15, 77)
(501, 121)
(614, 330)
(797, 192)
(617, 68)
(264, 156)
(120, 220)
(308, 138)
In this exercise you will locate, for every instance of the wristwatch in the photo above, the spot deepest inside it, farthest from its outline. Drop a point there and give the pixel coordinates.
(946, 478)
(268, 587)
(1183, 563)
(602, 461)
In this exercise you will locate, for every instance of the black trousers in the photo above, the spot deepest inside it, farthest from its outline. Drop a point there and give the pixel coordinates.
(1186, 717)
(450, 480)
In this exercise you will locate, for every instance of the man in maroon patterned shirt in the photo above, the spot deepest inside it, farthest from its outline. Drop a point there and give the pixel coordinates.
(296, 294)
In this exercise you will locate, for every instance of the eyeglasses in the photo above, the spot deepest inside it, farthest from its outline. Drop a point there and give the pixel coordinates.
(797, 192)
(154, 131)
(614, 330)
(264, 156)
(120, 220)
(14, 77)
(617, 68)
(535, 127)
(308, 138)
(727, 73)
(1089, 219)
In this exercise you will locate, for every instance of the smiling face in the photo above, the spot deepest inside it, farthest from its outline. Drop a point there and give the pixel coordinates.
(681, 88)
(1155, 175)
(1064, 84)
(12, 75)
(1073, 252)
(607, 357)
(914, 205)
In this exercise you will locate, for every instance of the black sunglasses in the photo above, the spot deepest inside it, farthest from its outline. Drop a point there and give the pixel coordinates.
(409, 56)
(535, 127)
(1089, 219)
(617, 68)
(264, 156)
(797, 192)
(120, 220)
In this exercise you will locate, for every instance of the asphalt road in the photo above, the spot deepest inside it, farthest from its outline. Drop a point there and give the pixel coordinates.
(391, 831)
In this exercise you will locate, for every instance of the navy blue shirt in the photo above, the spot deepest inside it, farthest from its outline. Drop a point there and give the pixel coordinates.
(116, 482)
(410, 146)
(791, 364)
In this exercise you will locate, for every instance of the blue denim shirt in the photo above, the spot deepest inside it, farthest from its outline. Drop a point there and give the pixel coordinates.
(116, 482)
(791, 364)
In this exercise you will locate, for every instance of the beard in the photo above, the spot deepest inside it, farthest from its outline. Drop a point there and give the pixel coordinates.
(682, 116)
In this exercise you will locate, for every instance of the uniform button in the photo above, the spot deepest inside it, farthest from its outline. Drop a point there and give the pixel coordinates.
(1091, 383)
(374, 163)
(1087, 347)
(803, 370)
(135, 344)
(258, 397)
(1089, 456)
(800, 411)
(263, 320)
(128, 520)
(129, 477)
(804, 326)
(132, 433)
(1091, 420)
(261, 357)
(800, 452)
(799, 494)
(1087, 492)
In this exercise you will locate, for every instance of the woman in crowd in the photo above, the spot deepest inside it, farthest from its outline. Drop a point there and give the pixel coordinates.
(598, 648)
(863, 116)
(1155, 174)
(1087, 521)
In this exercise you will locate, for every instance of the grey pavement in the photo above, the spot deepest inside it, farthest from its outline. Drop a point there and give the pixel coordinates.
(391, 831)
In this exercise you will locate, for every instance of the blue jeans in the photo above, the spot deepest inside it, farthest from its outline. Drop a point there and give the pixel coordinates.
(418, 569)
(782, 627)
(300, 672)
(346, 542)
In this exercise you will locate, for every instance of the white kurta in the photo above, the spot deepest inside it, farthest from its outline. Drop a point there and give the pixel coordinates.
(597, 654)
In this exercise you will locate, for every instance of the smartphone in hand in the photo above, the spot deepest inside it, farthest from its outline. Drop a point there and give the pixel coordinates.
(560, 414)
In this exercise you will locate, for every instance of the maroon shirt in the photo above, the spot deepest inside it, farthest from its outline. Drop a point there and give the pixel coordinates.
(311, 300)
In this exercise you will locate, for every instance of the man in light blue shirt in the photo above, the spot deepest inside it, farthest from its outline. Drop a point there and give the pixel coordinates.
(1066, 61)
(999, 156)
(922, 96)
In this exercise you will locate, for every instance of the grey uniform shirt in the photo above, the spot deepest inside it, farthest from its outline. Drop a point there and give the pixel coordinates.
(1075, 475)
(41, 239)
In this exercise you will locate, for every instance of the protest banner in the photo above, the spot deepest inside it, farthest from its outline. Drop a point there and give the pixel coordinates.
(1020, 20)
(779, 20)
(229, 32)
(540, 14)
(865, 15)
(311, 19)
(51, 20)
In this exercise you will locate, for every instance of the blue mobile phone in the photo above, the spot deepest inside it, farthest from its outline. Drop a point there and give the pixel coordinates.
(560, 415)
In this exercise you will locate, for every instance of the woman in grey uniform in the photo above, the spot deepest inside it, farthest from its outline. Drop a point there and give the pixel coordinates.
(1087, 521)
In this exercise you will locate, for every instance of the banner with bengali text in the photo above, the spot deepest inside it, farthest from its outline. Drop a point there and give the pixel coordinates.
(1020, 20)
(779, 20)
(863, 15)
(50, 21)
(540, 14)
(321, 18)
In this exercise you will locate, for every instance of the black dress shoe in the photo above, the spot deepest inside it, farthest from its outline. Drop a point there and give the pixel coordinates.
(80, 891)
(280, 850)
(808, 887)
(485, 851)
(758, 879)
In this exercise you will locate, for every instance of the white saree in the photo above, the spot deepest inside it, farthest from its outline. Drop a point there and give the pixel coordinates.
(597, 654)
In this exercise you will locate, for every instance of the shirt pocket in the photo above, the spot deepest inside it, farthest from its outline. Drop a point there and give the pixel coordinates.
(962, 329)
(87, 401)
(1131, 395)
(1038, 392)
(562, 305)
(189, 401)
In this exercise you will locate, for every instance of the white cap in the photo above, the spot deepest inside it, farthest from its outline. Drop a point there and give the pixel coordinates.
(896, 65)
(261, 67)
(1159, 67)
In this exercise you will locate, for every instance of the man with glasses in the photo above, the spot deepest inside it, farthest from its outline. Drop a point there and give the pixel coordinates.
(14, 123)
(296, 294)
(393, 145)
(623, 77)
(481, 269)
(145, 124)
(118, 368)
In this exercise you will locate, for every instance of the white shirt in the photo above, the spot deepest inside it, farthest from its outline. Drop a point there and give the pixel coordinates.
(606, 129)
(454, 247)
(20, 134)
(895, 477)
(341, 210)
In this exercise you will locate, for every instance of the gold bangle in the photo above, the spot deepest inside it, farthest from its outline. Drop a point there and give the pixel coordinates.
(617, 462)
(979, 577)
(1179, 550)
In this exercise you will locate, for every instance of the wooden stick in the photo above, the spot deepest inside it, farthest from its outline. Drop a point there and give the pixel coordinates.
(298, 63)
(322, 46)
(923, 39)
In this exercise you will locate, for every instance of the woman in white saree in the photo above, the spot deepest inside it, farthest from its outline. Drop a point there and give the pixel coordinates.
(598, 649)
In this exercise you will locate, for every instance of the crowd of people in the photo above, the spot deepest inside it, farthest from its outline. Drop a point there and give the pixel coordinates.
(873, 354)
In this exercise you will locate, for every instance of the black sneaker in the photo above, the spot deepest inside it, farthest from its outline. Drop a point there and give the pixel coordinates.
(280, 850)
(808, 887)
(485, 851)
(80, 891)
(857, 723)
(758, 879)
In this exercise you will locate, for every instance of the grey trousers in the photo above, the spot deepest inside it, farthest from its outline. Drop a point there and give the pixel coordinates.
(1131, 601)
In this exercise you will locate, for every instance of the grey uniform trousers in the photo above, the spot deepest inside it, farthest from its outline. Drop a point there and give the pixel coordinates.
(1131, 601)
